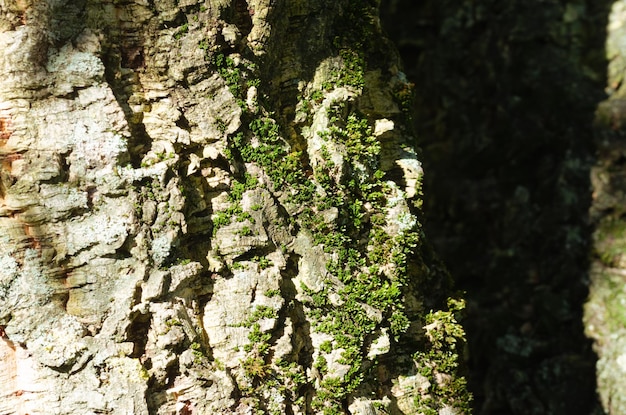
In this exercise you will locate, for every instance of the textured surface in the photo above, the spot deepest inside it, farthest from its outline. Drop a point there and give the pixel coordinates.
(211, 207)
(605, 315)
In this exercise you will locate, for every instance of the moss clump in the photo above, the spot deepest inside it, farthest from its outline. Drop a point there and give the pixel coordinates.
(224, 217)
(610, 241)
(440, 362)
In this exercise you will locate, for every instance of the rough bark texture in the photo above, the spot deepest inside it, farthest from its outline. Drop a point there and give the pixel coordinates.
(212, 207)
(605, 312)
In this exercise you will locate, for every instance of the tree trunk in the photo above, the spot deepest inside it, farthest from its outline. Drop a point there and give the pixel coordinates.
(213, 207)
(605, 310)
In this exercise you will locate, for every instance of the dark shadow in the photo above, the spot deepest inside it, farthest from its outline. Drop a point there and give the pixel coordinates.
(505, 99)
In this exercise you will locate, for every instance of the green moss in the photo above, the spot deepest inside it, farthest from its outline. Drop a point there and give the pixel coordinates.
(182, 261)
(198, 352)
(317, 96)
(404, 95)
(220, 125)
(263, 262)
(229, 72)
(221, 219)
(272, 293)
(356, 134)
(238, 188)
(355, 264)
(237, 265)
(219, 364)
(259, 340)
(244, 216)
(245, 231)
(611, 296)
(144, 374)
(610, 239)
(203, 45)
(237, 77)
(173, 322)
(353, 70)
(271, 153)
(224, 217)
(321, 364)
(446, 339)
(259, 313)
(182, 30)
(326, 346)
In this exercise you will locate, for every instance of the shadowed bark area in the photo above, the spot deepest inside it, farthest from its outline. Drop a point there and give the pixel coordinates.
(505, 99)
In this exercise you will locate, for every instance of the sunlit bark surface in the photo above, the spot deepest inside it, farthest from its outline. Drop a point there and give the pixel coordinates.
(212, 207)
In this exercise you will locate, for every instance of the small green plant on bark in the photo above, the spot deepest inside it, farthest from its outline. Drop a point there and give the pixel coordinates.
(224, 217)
(182, 30)
(440, 363)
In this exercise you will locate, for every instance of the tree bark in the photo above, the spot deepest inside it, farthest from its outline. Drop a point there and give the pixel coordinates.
(213, 207)
(605, 315)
